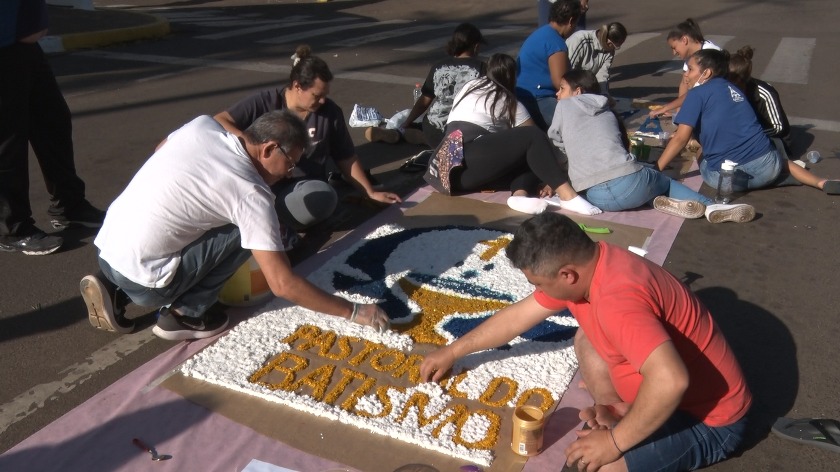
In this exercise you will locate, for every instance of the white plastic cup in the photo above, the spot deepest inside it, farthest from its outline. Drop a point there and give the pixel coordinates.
(813, 157)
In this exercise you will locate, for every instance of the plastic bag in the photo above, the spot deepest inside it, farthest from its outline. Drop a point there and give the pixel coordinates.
(396, 121)
(363, 117)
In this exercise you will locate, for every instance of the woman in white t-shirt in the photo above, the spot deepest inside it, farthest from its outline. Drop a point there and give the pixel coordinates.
(501, 144)
(685, 39)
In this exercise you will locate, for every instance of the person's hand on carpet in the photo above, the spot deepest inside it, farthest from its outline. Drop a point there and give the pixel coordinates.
(436, 364)
(592, 450)
(371, 315)
(385, 197)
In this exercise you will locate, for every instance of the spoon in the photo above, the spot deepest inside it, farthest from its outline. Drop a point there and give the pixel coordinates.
(155, 457)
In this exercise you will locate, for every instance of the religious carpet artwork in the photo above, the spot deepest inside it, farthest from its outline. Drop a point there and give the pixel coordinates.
(436, 284)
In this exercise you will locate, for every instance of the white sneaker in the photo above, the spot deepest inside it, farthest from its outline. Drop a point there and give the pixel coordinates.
(683, 208)
(737, 213)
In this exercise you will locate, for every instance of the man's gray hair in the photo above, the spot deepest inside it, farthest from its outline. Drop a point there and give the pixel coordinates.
(280, 126)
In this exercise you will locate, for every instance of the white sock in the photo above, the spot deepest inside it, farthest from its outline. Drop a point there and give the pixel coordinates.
(579, 205)
(532, 206)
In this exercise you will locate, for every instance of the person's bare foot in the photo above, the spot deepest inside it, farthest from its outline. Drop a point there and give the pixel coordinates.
(376, 133)
(603, 416)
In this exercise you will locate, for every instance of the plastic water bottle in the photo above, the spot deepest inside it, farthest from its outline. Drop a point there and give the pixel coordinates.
(418, 91)
(726, 176)
(813, 157)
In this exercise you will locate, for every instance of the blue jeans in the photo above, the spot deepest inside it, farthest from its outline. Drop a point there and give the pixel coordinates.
(684, 443)
(206, 264)
(547, 105)
(758, 173)
(541, 109)
(639, 188)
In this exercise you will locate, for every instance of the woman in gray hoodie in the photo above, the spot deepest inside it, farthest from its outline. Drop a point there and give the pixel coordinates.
(602, 169)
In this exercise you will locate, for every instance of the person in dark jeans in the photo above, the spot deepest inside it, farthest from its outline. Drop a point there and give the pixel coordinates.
(34, 112)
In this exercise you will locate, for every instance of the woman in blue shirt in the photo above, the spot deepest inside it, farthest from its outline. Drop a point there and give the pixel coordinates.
(723, 121)
(542, 61)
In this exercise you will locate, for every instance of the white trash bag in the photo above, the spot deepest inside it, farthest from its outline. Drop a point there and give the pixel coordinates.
(364, 117)
(396, 121)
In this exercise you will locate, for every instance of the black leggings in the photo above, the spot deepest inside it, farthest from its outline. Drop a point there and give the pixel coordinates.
(522, 156)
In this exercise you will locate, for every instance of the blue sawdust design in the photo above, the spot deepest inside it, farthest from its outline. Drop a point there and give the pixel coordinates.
(370, 258)
(546, 331)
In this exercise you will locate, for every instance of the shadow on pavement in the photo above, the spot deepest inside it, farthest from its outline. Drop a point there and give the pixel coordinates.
(766, 351)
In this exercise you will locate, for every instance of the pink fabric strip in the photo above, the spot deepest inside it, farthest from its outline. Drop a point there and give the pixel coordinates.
(97, 434)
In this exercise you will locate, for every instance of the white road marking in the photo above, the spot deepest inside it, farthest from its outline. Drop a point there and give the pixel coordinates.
(247, 66)
(439, 42)
(298, 36)
(719, 39)
(810, 123)
(815, 124)
(273, 25)
(189, 61)
(36, 397)
(370, 38)
(511, 49)
(635, 40)
(186, 17)
(791, 61)
(676, 66)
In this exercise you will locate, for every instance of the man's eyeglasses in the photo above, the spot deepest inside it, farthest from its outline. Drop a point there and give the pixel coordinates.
(292, 163)
(611, 44)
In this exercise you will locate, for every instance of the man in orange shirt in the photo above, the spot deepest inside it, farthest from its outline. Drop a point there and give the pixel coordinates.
(669, 393)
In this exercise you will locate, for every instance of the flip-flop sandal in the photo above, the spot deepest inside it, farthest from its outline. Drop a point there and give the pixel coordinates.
(832, 187)
(418, 162)
(823, 433)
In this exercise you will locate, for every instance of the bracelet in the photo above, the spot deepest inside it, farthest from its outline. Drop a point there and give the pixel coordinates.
(355, 312)
(615, 443)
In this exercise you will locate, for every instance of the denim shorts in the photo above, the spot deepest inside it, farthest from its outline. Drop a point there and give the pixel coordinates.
(760, 172)
(685, 443)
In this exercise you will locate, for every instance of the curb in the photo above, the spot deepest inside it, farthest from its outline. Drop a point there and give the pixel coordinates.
(158, 27)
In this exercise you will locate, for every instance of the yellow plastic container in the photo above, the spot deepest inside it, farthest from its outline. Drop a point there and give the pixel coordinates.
(527, 434)
(246, 287)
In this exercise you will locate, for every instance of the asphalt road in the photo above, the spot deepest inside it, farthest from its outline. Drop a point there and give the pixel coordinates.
(772, 282)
